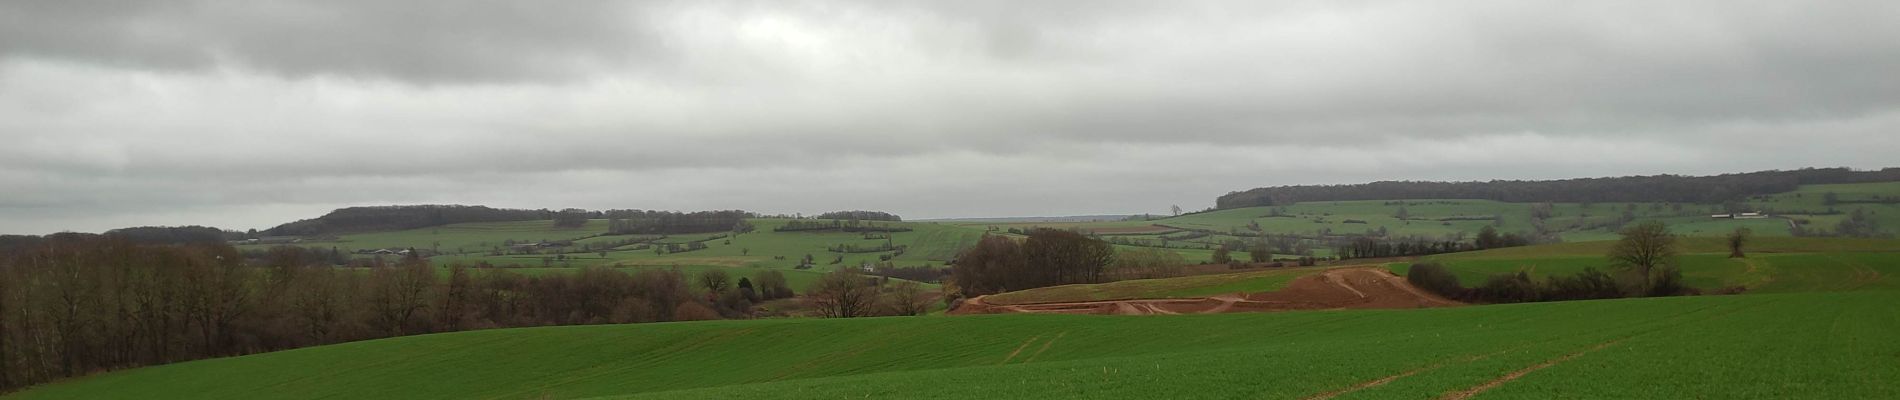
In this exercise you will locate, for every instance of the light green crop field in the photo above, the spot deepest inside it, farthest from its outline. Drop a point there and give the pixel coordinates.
(1802, 345)
(1773, 264)
(1573, 222)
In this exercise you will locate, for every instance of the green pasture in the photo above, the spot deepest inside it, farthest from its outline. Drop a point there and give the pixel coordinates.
(1800, 345)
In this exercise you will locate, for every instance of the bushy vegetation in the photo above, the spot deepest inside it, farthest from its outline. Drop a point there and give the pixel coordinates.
(1145, 263)
(1047, 257)
(78, 303)
(1646, 250)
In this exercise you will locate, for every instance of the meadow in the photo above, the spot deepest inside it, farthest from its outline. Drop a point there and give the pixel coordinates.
(1772, 265)
(1756, 346)
(1458, 218)
(1811, 307)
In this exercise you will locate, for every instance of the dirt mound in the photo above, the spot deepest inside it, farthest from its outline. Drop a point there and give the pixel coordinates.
(1360, 287)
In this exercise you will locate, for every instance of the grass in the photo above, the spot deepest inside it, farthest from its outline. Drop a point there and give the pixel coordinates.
(1774, 264)
(1775, 346)
(928, 244)
(1438, 218)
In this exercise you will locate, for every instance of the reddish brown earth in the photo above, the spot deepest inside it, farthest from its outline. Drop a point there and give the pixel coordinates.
(1341, 288)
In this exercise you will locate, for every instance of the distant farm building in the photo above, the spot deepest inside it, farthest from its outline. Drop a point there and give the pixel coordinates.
(1746, 215)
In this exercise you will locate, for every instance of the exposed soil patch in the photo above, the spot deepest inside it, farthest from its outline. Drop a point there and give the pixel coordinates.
(1356, 287)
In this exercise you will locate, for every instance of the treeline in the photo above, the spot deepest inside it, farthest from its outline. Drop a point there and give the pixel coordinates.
(72, 304)
(838, 225)
(1646, 251)
(636, 222)
(861, 215)
(1048, 257)
(1377, 247)
(921, 273)
(386, 218)
(175, 234)
(1658, 188)
(1518, 287)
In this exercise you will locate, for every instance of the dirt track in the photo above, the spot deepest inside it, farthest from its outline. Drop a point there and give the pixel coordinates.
(1357, 287)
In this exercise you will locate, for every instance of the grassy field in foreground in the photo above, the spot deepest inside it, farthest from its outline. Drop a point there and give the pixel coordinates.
(1804, 345)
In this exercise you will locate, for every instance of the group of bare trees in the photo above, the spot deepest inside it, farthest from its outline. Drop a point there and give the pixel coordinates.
(72, 303)
(848, 292)
(1048, 257)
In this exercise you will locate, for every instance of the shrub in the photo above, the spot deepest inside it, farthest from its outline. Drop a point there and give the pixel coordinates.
(1435, 278)
(1668, 282)
(1587, 285)
(1508, 288)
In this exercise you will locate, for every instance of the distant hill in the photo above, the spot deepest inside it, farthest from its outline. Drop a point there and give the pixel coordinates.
(1655, 188)
(383, 218)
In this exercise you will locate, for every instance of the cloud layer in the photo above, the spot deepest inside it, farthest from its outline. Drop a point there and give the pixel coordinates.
(250, 114)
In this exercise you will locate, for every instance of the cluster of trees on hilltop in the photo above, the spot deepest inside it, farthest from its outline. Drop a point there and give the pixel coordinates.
(1658, 188)
(635, 222)
(72, 304)
(383, 218)
(838, 225)
(1048, 257)
(861, 215)
(175, 234)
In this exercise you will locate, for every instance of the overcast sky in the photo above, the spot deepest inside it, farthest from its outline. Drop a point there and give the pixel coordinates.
(246, 114)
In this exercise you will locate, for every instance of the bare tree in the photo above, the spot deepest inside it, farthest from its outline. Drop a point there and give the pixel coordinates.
(714, 280)
(844, 293)
(1736, 240)
(1643, 248)
(907, 298)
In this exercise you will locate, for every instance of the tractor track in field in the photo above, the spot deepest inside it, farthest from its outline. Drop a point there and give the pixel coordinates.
(1388, 379)
(1339, 288)
(1514, 375)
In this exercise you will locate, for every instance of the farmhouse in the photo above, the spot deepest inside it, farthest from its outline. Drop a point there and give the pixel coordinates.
(1745, 215)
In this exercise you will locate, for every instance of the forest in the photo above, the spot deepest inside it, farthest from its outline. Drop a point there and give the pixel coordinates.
(391, 218)
(1656, 188)
(81, 303)
(861, 215)
(637, 222)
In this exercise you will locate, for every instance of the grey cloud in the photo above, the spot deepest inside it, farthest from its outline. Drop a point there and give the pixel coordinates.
(251, 113)
(427, 41)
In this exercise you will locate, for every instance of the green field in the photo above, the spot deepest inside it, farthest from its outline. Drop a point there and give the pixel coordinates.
(1816, 321)
(1572, 222)
(1754, 346)
(742, 255)
(1817, 307)
(1773, 265)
